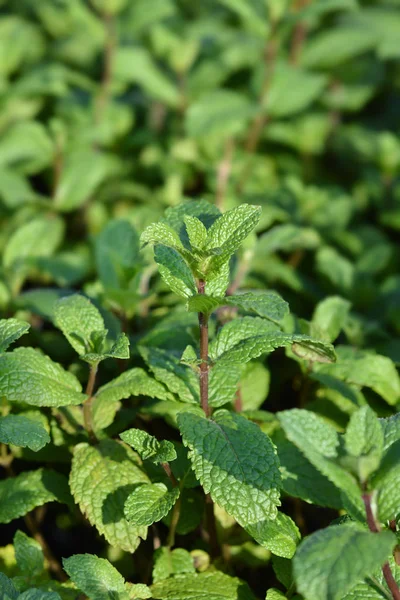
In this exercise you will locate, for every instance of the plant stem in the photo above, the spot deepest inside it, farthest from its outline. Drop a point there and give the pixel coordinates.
(87, 405)
(176, 513)
(299, 35)
(375, 528)
(223, 173)
(203, 323)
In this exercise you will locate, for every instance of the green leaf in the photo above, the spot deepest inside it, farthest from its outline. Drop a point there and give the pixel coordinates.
(178, 378)
(21, 494)
(148, 447)
(235, 462)
(116, 253)
(280, 100)
(11, 330)
(78, 319)
(319, 442)
(191, 510)
(329, 317)
(29, 554)
(174, 270)
(204, 304)
(26, 375)
(366, 369)
(120, 348)
(227, 233)
(197, 232)
(364, 440)
(101, 479)
(219, 113)
(149, 503)
(7, 588)
(331, 561)
(280, 536)
(39, 237)
(237, 330)
(175, 562)
(96, 577)
(161, 233)
(386, 481)
(27, 147)
(301, 479)
(314, 351)
(335, 46)
(210, 586)
(391, 430)
(138, 591)
(22, 431)
(274, 594)
(265, 304)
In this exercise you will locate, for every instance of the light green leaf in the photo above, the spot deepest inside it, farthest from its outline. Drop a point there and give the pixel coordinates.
(391, 430)
(26, 375)
(274, 594)
(101, 479)
(26, 147)
(24, 432)
(84, 170)
(280, 536)
(288, 237)
(366, 370)
(21, 494)
(11, 330)
(331, 561)
(227, 233)
(314, 351)
(335, 46)
(148, 447)
(120, 348)
(386, 481)
(39, 237)
(223, 383)
(364, 440)
(197, 232)
(319, 442)
(29, 554)
(78, 319)
(96, 577)
(174, 270)
(138, 591)
(116, 253)
(37, 594)
(265, 304)
(161, 233)
(218, 281)
(237, 330)
(204, 304)
(149, 503)
(210, 586)
(281, 101)
(329, 317)
(235, 462)
(175, 562)
(178, 378)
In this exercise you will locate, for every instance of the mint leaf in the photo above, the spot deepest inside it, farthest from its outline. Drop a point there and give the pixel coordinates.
(116, 250)
(138, 591)
(120, 349)
(148, 447)
(96, 577)
(175, 271)
(178, 378)
(235, 462)
(366, 370)
(204, 304)
(26, 375)
(7, 588)
(28, 554)
(331, 561)
(268, 305)
(21, 494)
(329, 317)
(175, 562)
(11, 330)
(161, 233)
(197, 232)
(101, 479)
(78, 319)
(319, 442)
(391, 430)
(236, 331)
(274, 594)
(24, 432)
(386, 481)
(149, 503)
(227, 233)
(205, 586)
(280, 536)
(364, 440)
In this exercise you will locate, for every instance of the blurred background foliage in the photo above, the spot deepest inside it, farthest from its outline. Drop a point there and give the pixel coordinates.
(118, 109)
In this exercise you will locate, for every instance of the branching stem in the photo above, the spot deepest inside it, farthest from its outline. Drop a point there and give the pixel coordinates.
(375, 528)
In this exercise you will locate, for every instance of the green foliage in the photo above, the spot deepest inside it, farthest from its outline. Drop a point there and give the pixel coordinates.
(206, 193)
